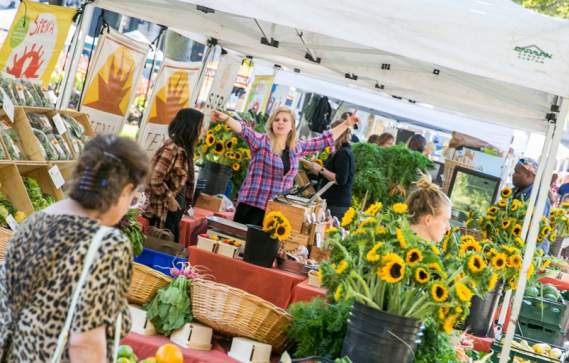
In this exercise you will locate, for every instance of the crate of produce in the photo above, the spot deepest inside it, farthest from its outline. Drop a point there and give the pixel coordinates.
(529, 351)
(547, 311)
(13, 195)
(39, 185)
(159, 261)
(536, 330)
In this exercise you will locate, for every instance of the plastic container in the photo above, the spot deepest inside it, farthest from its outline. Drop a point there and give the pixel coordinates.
(547, 311)
(213, 178)
(159, 261)
(536, 330)
(524, 354)
(260, 249)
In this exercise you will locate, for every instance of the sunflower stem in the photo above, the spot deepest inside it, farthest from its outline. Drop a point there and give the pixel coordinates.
(361, 281)
(366, 299)
(417, 303)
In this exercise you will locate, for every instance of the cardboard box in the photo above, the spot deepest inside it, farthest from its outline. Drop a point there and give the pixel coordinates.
(295, 241)
(294, 213)
(319, 254)
(209, 202)
(207, 244)
(227, 250)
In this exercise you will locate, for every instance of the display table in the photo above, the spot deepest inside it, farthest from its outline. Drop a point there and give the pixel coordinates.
(271, 284)
(145, 347)
(191, 227)
(305, 292)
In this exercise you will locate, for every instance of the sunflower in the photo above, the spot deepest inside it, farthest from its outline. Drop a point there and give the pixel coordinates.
(327, 150)
(435, 250)
(492, 282)
(502, 203)
(476, 263)
(381, 230)
(348, 217)
(449, 323)
(564, 205)
(520, 242)
(545, 265)
(342, 266)
(401, 238)
(463, 292)
(506, 192)
(400, 208)
(499, 261)
(435, 266)
(553, 236)
(217, 128)
(226, 127)
(422, 276)
(545, 231)
(467, 238)
(413, 256)
(204, 148)
(229, 154)
(439, 292)
(218, 148)
(368, 222)
(468, 246)
(338, 293)
(372, 255)
(531, 270)
(559, 212)
(374, 209)
(506, 224)
(443, 312)
(236, 166)
(516, 204)
(517, 230)
(515, 261)
(332, 230)
(513, 283)
(492, 210)
(444, 246)
(319, 162)
(393, 271)
(210, 140)
(237, 156)
(448, 233)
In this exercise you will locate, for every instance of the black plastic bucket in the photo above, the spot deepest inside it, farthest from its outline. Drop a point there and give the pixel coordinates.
(213, 178)
(479, 321)
(260, 249)
(374, 336)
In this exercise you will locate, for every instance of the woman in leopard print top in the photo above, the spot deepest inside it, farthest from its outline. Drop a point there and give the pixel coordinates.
(45, 258)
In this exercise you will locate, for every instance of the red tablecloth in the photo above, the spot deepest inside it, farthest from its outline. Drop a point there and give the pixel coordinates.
(481, 344)
(560, 284)
(145, 347)
(305, 292)
(191, 227)
(268, 283)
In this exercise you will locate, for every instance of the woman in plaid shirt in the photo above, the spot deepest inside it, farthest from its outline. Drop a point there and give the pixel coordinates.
(274, 159)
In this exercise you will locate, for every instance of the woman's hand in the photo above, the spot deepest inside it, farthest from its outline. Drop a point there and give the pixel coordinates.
(173, 205)
(314, 167)
(217, 116)
(352, 120)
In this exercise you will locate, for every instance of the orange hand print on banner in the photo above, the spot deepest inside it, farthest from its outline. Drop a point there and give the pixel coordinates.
(170, 99)
(32, 59)
(110, 89)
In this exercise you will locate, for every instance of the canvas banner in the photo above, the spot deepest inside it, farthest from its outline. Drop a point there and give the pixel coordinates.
(172, 90)
(111, 81)
(35, 40)
(259, 93)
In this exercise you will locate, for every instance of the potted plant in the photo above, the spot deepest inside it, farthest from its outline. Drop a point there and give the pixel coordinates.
(397, 280)
(262, 245)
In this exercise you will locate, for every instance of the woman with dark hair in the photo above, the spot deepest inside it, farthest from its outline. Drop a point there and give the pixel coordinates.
(64, 282)
(417, 143)
(171, 185)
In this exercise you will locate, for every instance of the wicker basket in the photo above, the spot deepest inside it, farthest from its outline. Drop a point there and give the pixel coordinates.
(145, 282)
(235, 312)
(5, 235)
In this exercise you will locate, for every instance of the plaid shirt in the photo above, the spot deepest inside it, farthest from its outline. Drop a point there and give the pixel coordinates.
(169, 173)
(265, 177)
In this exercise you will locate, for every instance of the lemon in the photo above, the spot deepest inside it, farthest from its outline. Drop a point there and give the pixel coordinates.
(20, 216)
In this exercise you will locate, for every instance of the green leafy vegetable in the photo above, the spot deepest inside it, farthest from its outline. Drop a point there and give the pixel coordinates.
(130, 226)
(318, 328)
(171, 309)
(38, 198)
(435, 347)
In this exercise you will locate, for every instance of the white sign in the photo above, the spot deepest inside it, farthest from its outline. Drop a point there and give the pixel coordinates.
(12, 222)
(59, 124)
(8, 106)
(56, 177)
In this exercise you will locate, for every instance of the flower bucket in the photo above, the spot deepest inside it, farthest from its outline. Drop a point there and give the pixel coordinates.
(374, 336)
(482, 312)
(213, 178)
(260, 249)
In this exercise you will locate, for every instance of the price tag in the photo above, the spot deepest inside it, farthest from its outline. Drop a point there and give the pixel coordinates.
(56, 177)
(12, 222)
(59, 124)
(8, 106)
(51, 97)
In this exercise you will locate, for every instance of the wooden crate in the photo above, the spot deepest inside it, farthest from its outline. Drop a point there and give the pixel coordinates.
(295, 241)
(83, 119)
(5, 235)
(12, 186)
(209, 202)
(319, 254)
(66, 168)
(40, 172)
(294, 213)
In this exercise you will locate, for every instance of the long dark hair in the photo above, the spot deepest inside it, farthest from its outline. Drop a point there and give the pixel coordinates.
(185, 128)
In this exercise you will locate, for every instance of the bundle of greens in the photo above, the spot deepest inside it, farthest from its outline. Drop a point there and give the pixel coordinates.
(130, 226)
(39, 200)
(11, 141)
(170, 309)
(23, 93)
(76, 133)
(385, 174)
(6, 208)
(318, 328)
(435, 347)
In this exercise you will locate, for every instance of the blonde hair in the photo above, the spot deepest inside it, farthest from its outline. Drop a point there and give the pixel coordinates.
(344, 138)
(426, 199)
(291, 138)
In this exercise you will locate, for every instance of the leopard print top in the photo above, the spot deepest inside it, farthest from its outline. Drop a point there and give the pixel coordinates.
(42, 266)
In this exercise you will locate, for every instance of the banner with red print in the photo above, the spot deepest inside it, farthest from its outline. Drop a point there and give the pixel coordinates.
(35, 40)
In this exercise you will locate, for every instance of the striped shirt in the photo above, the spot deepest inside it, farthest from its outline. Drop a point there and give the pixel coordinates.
(265, 177)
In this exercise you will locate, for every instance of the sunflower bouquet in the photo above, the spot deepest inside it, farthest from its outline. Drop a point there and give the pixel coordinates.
(321, 157)
(379, 261)
(277, 226)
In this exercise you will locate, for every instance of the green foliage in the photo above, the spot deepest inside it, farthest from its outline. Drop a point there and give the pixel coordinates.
(39, 200)
(318, 328)
(170, 309)
(130, 226)
(558, 8)
(385, 174)
(435, 347)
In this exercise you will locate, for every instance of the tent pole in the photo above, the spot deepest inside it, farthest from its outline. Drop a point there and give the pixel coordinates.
(209, 55)
(543, 186)
(69, 76)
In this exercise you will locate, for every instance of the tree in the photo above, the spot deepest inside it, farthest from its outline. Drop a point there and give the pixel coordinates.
(557, 8)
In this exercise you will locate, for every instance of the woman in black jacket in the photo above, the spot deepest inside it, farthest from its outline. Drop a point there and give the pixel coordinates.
(340, 168)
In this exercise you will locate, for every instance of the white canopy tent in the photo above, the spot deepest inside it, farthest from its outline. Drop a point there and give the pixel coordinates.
(489, 59)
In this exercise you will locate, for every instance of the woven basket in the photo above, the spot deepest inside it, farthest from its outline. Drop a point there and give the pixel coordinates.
(5, 235)
(145, 282)
(235, 312)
